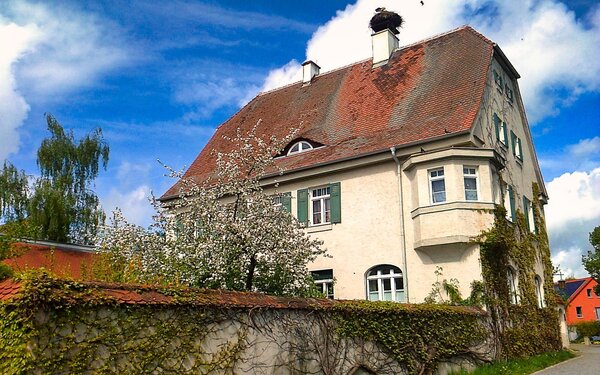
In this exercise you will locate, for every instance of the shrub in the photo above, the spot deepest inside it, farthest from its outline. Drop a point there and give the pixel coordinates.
(587, 329)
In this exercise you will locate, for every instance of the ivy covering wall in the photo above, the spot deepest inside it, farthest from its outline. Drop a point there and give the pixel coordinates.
(57, 326)
(524, 328)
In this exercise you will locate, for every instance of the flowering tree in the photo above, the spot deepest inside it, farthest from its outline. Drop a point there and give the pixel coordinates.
(224, 232)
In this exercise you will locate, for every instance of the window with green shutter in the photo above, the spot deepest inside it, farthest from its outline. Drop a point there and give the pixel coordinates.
(500, 128)
(511, 199)
(320, 205)
(286, 202)
(499, 81)
(526, 212)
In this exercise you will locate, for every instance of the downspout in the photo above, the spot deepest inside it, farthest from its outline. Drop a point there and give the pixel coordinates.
(402, 226)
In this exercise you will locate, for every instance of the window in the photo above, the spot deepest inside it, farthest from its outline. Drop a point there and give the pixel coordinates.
(528, 212)
(509, 94)
(438, 186)
(539, 292)
(509, 204)
(501, 131)
(385, 283)
(589, 293)
(322, 205)
(470, 178)
(597, 313)
(283, 201)
(516, 146)
(513, 294)
(300, 147)
(498, 79)
(324, 281)
(579, 312)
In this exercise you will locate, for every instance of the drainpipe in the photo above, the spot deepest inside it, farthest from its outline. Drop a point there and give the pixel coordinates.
(402, 226)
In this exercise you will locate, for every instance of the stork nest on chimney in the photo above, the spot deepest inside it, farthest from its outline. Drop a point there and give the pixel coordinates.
(385, 19)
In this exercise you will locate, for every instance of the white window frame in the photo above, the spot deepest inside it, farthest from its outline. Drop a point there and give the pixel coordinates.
(539, 291)
(303, 146)
(474, 175)
(322, 199)
(513, 285)
(579, 312)
(432, 179)
(323, 286)
(394, 274)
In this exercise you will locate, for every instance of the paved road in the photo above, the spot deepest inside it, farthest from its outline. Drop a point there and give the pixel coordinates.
(588, 362)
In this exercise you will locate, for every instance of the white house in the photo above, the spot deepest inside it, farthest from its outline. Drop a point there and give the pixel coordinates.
(398, 161)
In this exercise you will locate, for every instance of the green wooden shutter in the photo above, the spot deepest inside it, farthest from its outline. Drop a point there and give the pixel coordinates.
(336, 204)
(520, 149)
(302, 209)
(504, 129)
(497, 126)
(511, 198)
(286, 202)
(526, 212)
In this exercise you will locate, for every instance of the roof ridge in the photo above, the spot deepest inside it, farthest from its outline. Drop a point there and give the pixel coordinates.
(421, 41)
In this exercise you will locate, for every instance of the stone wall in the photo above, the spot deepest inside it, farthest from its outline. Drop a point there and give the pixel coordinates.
(59, 327)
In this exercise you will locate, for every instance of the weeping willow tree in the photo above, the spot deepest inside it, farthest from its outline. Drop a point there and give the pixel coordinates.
(61, 205)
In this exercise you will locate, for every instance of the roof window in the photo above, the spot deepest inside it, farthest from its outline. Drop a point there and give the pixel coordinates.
(299, 147)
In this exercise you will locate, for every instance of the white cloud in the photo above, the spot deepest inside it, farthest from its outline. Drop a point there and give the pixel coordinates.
(581, 156)
(555, 53)
(572, 212)
(569, 262)
(44, 52)
(134, 204)
(585, 148)
(290, 72)
(15, 41)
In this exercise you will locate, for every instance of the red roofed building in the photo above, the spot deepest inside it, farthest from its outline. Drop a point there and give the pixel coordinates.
(396, 161)
(65, 260)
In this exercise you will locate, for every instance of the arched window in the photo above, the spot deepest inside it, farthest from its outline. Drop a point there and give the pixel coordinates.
(300, 146)
(384, 283)
(513, 294)
(539, 291)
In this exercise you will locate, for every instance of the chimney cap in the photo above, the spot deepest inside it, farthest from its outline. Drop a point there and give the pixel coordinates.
(385, 19)
(311, 62)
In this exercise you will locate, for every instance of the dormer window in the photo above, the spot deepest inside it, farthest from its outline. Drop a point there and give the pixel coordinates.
(300, 146)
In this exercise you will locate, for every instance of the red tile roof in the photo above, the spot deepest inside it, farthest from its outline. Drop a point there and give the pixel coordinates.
(429, 89)
(60, 261)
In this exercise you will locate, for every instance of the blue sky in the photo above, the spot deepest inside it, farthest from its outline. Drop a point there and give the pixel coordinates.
(159, 77)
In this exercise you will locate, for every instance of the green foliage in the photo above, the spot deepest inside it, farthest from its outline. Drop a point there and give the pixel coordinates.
(447, 292)
(417, 336)
(588, 329)
(61, 205)
(5, 271)
(13, 193)
(591, 262)
(523, 329)
(521, 366)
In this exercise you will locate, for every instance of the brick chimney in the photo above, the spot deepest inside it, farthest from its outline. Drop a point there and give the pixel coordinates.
(385, 26)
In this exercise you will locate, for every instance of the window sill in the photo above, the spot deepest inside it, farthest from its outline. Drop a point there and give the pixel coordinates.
(319, 228)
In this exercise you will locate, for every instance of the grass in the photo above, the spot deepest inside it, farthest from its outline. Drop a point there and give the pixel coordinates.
(521, 366)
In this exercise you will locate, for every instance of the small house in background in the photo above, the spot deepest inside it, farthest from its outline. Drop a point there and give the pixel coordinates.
(581, 300)
(64, 260)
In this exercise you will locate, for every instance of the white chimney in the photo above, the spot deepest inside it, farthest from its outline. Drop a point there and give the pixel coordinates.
(384, 44)
(309, 70)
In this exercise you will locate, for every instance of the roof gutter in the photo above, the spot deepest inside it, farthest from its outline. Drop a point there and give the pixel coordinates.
(506, 64)
(359, 156)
